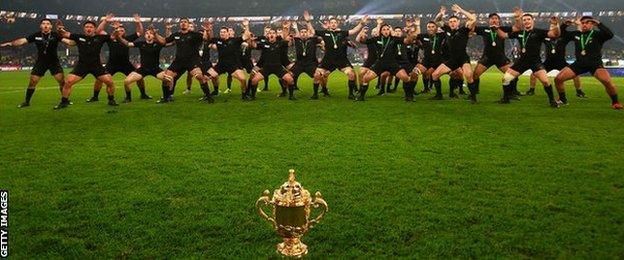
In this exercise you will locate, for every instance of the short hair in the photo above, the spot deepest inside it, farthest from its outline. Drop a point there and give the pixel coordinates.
(45, 20)
(454, 16)
(493, 15)
(528, 15)
(398, 27)
(385, 25)
(224, 28)
(184, 18)
(89, 22)
(432, 22)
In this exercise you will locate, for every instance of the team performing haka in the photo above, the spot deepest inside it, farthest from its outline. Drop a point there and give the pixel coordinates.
(402, 52)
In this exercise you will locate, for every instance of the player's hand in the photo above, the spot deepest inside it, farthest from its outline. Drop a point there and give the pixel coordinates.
(517, 12)
(326, 25)
(443, 10)
(60, 25)
(409, 23)
(306, 16)
(577, 21)
(554, 20)
(245, 23)
(456, 8)
(286, 24)
(137, 18)
(109, 17)
(116, 24)
(207, 25)
(379, 21)
(364, 20)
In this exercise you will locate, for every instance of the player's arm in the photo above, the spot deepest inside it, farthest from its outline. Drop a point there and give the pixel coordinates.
(15, 43)
(68, 42)
(246, 31)
(207, 33)
(157, 37)
(60, 28)
(412, 35)
(361, 37)
(295, 26)
(168, 31)
(439, 19)
(555, 30)
(101, 29)
(285, 30)
(253, 43)
(308, 19)
(606, 33)
(471, 19)
(416, 26)
(518, 19)
(139, 25)
(123, 41)
(501, 33)
(359, 26)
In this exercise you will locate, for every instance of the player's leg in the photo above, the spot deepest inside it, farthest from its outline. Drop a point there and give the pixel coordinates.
(542, 76)
(366, 79)
(69, 83)
(256, 77)
(508, 77)
(107, 79)
(32, 83)
(532, 84)
(579, 89)
(168, 80)
(239, 75)
(203, 83)
(351, 77)
(97, 87)
(435, 78)
(564, 75)
(604, 77)
(478, 71)
(472, 84)
(407, 84)
(130, 79)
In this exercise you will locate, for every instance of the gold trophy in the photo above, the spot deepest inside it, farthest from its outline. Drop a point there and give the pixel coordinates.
(291, 214)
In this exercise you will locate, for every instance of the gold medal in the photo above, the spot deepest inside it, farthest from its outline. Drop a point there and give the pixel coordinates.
(523, 50)
(493, 44)
(583, 52)
(335, 46)
(432, 52)
(553, 51)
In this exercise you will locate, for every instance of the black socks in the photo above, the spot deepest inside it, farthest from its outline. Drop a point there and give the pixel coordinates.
(29, 94)
(549, 91)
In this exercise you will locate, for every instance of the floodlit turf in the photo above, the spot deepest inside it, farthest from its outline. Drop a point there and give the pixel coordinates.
(423, 179)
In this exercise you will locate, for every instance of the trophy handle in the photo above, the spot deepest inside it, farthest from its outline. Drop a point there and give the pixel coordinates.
(263, 201)
(316, 203)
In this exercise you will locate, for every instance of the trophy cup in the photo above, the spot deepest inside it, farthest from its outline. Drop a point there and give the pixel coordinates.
(291, 214)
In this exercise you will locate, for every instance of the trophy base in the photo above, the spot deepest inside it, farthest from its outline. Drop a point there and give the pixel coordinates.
(292, 247)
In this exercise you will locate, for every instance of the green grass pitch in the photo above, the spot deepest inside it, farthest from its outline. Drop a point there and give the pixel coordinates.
(425, 179)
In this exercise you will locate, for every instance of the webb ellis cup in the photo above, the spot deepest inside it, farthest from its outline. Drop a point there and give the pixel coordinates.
(291, 205)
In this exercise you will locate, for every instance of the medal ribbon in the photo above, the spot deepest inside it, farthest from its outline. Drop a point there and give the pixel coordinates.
(584, 41)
